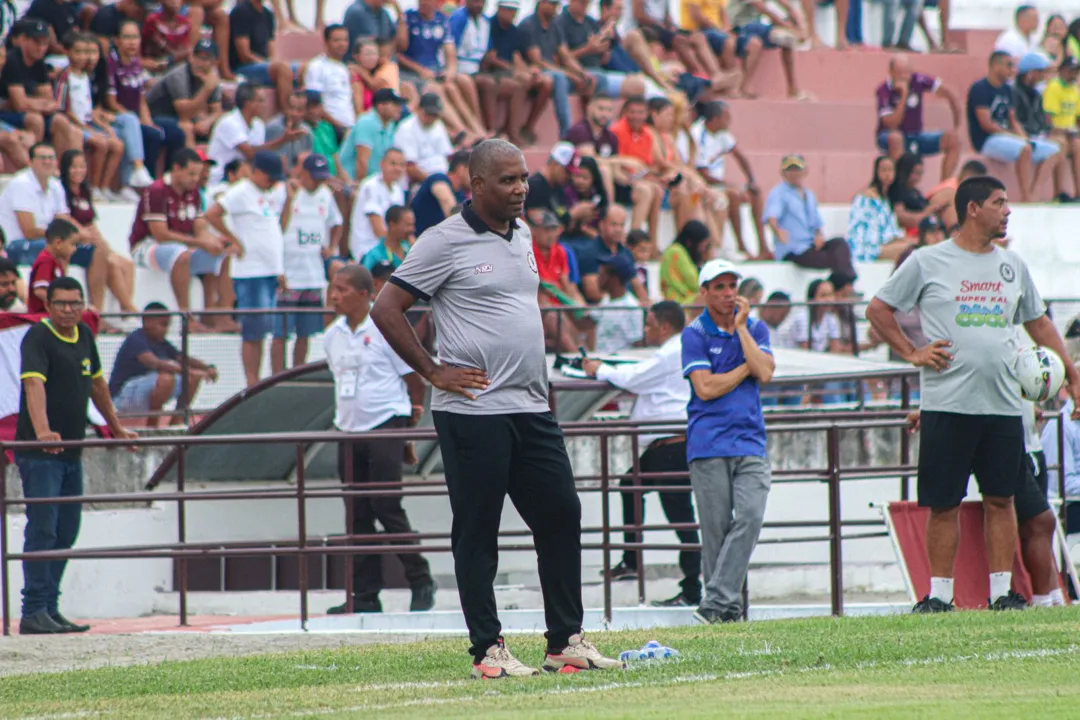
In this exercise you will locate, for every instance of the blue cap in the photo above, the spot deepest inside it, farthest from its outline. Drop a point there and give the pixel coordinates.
(269, 163)
(1032, 62)
(621, 265)
(317, 166)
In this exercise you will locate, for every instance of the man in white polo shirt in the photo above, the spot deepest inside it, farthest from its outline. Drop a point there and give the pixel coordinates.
(374, 389)
(239, 134)
(328, 74)
(423, 138)
(32, 200)
(376, 195)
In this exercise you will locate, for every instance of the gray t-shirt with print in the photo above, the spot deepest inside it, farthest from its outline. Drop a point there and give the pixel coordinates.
(483, 292)
(973, 300)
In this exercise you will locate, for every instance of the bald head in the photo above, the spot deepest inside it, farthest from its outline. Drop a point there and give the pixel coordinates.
(899, 67)
(357, 277)
(488, 156)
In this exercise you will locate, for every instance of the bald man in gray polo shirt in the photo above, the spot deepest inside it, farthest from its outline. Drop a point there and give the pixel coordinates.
(490, 406)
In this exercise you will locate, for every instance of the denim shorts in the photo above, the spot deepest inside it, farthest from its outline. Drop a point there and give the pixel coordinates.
(24, 252)
(760, 30)
(259, 73)
(255, 294)
(924, 143)
(717, 40)
(163, 256)
(135, 394)
(303, 325)
(608, 82)
(1007, 148)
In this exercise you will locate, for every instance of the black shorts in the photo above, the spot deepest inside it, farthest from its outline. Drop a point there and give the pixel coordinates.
(955, 446)
(1030, 500)
(659, 33)
(623, 195)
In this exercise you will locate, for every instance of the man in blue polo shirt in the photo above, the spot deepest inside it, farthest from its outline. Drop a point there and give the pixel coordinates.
(727, 357)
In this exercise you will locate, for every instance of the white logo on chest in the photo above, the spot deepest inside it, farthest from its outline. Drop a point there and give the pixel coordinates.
(483, 269)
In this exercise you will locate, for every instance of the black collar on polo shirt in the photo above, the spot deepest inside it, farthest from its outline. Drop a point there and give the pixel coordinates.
(480, 227)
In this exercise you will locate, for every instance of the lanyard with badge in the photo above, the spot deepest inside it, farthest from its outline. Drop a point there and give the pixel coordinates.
(349, 380)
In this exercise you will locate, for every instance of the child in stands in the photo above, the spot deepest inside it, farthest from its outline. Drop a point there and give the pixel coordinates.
(62, 239)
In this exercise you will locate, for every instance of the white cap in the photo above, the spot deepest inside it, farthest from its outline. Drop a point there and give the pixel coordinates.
(565, 154)
(515, 4)
(714, 269)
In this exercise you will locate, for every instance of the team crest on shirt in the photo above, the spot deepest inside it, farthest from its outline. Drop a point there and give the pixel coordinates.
(1007, 272)
(532, 261)
(367, 340)
(86, 367)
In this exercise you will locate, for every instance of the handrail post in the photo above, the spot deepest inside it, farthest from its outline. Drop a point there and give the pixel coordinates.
(1061, 473)
(301, 534)
(185, 353)
(5, 581)
(181, 533)
(605, 505)
(836, 559)
(639, 515)
(905, 436)
(347, 469)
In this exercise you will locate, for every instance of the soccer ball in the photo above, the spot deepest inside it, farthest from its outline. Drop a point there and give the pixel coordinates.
(1040, 372)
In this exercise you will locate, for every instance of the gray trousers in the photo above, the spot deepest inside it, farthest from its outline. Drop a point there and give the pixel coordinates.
(731, 495)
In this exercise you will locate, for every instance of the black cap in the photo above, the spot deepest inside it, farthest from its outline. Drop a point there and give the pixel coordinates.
(840, 279)
(33, 28)
(269, 163)
(548, 219)
(1069, 63)
(206, 46)
(431, 104)
(929, 224)
(385, 95)
(382, 269)
(621, 265)
(317, 166)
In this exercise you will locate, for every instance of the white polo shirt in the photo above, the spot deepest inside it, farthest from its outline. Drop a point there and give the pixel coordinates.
(230, 132)
(331, 78)
(429, 148)
(712, 148)
(368, 384)
(24, 194)
(314, 215)
(256, 222)
(374, 197)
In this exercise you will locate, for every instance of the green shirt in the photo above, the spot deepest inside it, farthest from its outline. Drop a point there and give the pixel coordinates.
(380, 253)
(678, 275)
(326, 143)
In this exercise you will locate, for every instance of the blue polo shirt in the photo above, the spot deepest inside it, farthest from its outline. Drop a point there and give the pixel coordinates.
(732, 425)
(425, 205)
(426, 38)
(504, 41)
(795, 212)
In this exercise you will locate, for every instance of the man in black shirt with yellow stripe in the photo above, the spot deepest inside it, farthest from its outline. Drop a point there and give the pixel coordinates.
(61, 372)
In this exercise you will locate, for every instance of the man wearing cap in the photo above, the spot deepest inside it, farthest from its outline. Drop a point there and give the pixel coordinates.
(900, 116)
(292, 118)
(994, 130)
(187, 99)
(1061, 101)
(372, 135)
(618, 316)
(726, 355)
(313, 228)
(563, 330)
(26, 91)
(504, 59)
(376, 195)
(544, 47)
(490, 406)
(440, 193)
(255, 206)
(423, 138)
(791, 212)
(547, 183)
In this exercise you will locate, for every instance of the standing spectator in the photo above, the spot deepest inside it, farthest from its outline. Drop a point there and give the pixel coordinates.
(873, 232)
(682, 261)
(313, 226)
(170, 235)
(292, 120)
(148, 370)
(372, 135)
(791, 211)
(61, 243)
(994, 130)
(609, 242)
(374, 390)
(1061, 101)
(375, 197)
(251, 48)
(255, 207)
(329, 75)
(662, 396)
(399, 237)
(440, 193)
(424, 140)
(726, 355)
(618, 315)
(241, 134)
(166, 37)
(900, 116)
(908, 202)
(186, 102)
(61, 373)
(1023, 37)
(544, 48)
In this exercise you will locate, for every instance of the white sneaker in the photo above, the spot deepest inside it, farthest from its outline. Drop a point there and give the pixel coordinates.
(499, 663)
(99, 196)
(127, 195)
(140, 178)
(580, 654)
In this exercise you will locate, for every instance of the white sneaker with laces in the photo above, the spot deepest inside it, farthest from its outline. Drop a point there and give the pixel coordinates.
(580, 654)
(128, 195)
(140, 178)
(98, 196)
(499, 663)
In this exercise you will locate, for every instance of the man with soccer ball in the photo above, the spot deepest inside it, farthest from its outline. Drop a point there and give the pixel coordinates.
(970, 294)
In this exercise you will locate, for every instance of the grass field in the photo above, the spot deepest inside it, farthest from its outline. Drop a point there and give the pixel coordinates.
(967, 665)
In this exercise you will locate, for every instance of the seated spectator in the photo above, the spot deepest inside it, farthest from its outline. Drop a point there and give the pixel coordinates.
(251, 48)
(240, 134)
(995, 131)
(186, 101)
(609, 242)
(688, 192)
(292, 120)
(1053, 39)
(170, 235)
(377, 194)
(1028, 106)
(943, 193)
(106, 21)
(1023, 37)
(692, 48)
(212, 13)
(324, 135)
(636, 141)
(751, 289)
(584, 200)
(10, 287)
(1061, 101)
(908, 202)
(329, 75)
(547, 185)
(26, 90)
(753, 37)
(148, 372)
(396, 241)
(119, 270)
(61, 16)
(381, 273)
(61, 244)
(591, 43)
(440, 193)
(14, 144)
(643, 249)
(544, 49)
(704, 17)
(792, 213)
(592, 136)
(372, 135)
(817, 328)
(370, 18)
(313, 228)
(428, 60)
(681, 262)
(166, 36)
(422, 137)
(620, 322)
(900, 116)
(504, 60)
(873, 232)
(563, 331)
(373, 68)
(774, 312)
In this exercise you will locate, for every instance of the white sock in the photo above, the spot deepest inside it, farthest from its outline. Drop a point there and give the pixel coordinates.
(1057, 597)
(1000, 584)
(942, 589)
(1041, 601)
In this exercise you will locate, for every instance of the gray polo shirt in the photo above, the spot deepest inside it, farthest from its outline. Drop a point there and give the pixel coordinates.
(548, 40)
(483, 292)
(576, 34)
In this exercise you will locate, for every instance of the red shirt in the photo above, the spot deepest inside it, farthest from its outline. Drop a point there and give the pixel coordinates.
(634, 144)
(161, 38)
(46, 268)
(554, 267)
(160, 202)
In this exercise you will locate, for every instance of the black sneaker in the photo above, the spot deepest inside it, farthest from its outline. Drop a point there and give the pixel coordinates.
(932, 605)
(1012, 601)
(708, 616)
(679, 600)
(423, 597)
(622, 571)
(359, 606)
(39, 624)
(67, 625)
